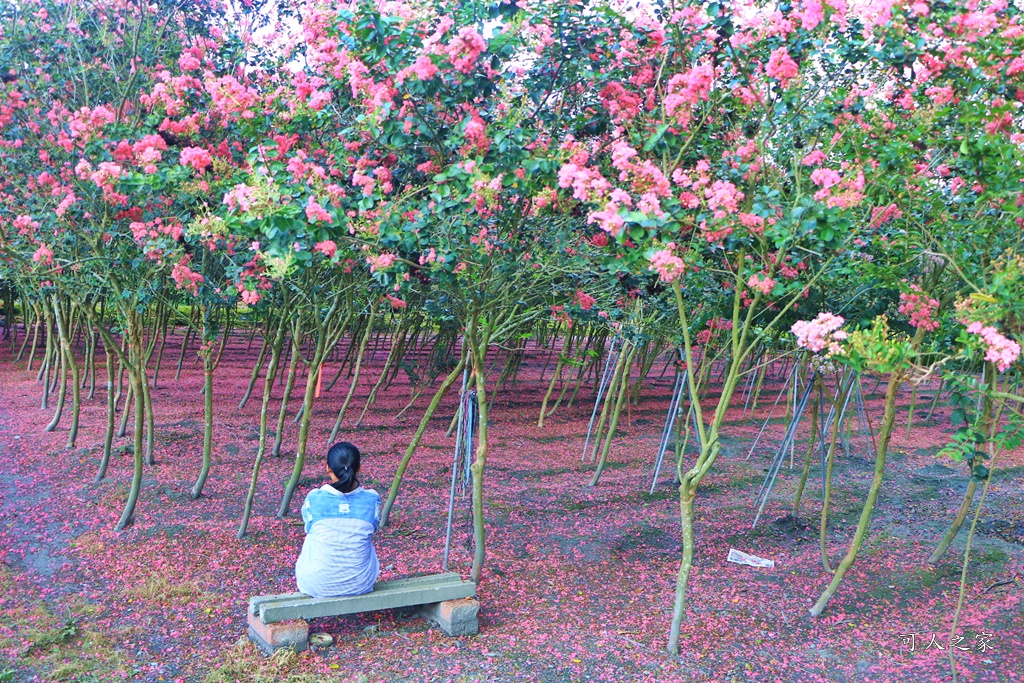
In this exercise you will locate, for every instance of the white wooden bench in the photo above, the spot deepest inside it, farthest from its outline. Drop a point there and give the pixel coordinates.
(277, 621)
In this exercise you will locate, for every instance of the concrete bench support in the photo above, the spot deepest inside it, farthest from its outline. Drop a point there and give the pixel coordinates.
(271, 637)
(277, 621)
(455, 617)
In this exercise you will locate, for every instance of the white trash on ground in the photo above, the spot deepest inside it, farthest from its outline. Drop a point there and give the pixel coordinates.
(750, 560)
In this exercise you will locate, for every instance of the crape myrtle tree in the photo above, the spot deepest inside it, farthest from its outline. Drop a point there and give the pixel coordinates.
(119, 122)
(744, 153)
(736, 167)
(439, 150)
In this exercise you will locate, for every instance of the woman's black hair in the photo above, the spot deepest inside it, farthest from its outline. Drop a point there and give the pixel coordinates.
(343, 459)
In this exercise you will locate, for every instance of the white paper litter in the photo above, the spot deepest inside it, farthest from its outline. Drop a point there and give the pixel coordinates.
(749, 560)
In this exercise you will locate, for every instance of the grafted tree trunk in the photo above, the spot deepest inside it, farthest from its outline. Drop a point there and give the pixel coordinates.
(268, 385)
(434, 403)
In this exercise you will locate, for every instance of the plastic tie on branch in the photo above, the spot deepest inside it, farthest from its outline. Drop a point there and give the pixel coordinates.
(749, 560)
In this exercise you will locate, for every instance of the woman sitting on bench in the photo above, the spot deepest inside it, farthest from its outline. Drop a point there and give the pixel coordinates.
(338, 558)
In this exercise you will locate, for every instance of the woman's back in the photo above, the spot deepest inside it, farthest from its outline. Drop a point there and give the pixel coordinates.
(337, 556)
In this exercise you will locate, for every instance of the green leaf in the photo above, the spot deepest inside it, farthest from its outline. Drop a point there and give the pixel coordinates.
(654, 139)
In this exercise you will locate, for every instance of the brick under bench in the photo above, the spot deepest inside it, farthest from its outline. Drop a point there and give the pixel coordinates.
(277, 621)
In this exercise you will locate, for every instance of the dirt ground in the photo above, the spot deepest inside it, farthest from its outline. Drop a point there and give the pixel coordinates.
(579, 581)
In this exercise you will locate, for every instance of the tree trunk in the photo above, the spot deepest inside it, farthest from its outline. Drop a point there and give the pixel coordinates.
(355, 374)
(614, 423)
(888, 421)
(434, 403)
(268, 385)
(478, 345)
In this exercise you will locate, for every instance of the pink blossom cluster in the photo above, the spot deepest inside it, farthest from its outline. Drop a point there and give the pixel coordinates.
(231, 97)
(920, 308)
(423, 68)
(667, 265)
(687, 90)
(239, 198)
(143, 230)
(822, 333)
(65, 204)
(249, 297)
(753, 223)
(381, 262)
(623, 105)
(465, 48)
(810, 13)
(723, 198)
(43, 255)
(880, 215)
(838, 191)
(186, 278)
(190, 59)
(171, 92)
(586, 183)
(815, 158)
(762, 283)
(1002, 351)
(328, 248)
(25, 225)
(316, 213)
(781, 66)
(475, 133)
(197, 158)
(307, 89)
(86, 122)
(584, 300)
(713, 325)
(825, 177)
(148, 151)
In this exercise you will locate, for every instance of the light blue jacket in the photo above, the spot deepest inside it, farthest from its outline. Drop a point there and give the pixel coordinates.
(338, 557)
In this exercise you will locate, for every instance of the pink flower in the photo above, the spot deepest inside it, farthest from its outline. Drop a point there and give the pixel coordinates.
(381, 262)
(587, 184)
(622, 105)
(464, 49)
(188, 62)
(608, 219)
(667, 265)
(825, 177)
(198, 158)
(328, 248)
(25, 225)
(762, 283)
(149, 150)
(185, 278)
(231, 97)
(810, 14)
(584, 300)
(781, 66)
(919, 308)
(723, 197)
(239, 198)
(43, 255)
(753, 222)
(65, 204)
(814, 158)
(475, 133)
(396, 303)
(822, 333)
(424, 68)
(881, 215)
(1001, 350)
(249, 297)
(687, 90)
(316, 213)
